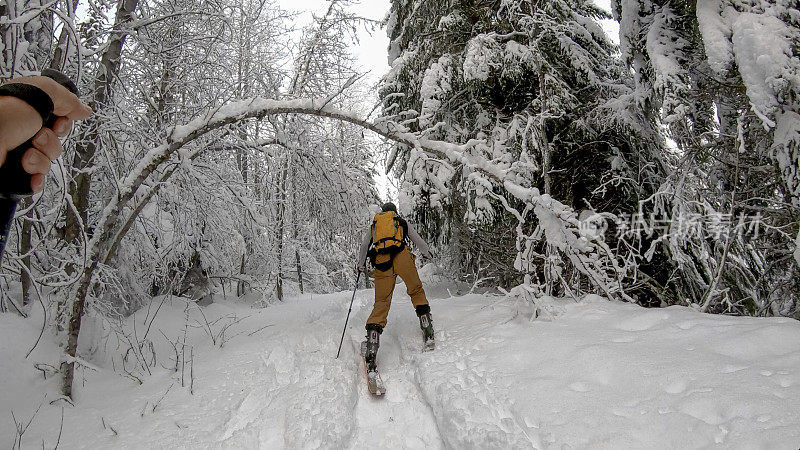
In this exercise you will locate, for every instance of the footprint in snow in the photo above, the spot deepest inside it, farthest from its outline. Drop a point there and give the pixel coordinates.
(621, 413)
(624, 339)
(732, 369)
(766, 373)
(642, 322)
(720, 437)
(676, 387)
(594, 317)
(579, 386)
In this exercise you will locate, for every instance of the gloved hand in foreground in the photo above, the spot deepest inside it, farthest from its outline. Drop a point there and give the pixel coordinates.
(19, 121)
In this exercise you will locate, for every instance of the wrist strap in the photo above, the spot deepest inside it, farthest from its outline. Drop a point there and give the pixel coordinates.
(32, 95)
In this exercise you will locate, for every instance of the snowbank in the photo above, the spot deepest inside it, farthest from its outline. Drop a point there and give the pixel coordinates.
(611, 375)
(600, 375)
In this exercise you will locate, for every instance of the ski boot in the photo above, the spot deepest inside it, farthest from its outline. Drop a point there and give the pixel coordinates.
(369, 350)
(370, 346)
(426, 324)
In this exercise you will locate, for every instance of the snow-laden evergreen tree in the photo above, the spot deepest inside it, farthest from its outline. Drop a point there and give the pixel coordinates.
(537, 83)
(723, 78)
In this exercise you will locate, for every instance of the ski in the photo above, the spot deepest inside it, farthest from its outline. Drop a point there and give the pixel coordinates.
(374, 382)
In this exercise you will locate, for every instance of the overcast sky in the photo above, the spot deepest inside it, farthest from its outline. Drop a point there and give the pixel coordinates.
(371, 51)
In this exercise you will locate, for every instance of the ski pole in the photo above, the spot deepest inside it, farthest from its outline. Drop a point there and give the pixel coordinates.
(348, 314)
(15, 183)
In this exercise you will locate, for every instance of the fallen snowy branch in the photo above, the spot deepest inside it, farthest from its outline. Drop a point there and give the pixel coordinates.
(109, 232)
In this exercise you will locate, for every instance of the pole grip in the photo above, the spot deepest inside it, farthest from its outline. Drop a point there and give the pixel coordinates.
(8, 206)
(14, 181)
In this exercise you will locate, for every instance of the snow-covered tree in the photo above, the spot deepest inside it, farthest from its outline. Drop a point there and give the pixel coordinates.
(169, 188)
(532, 81)
(721, 76)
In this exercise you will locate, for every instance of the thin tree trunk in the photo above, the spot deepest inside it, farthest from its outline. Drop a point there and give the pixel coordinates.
(36, 34)
(240, 287)
(281, 228)
(242, 161)
(9, 35)
(87, 147)
(63, 49)
(43, 35)
(68, 367)
(546, 165)
(295, 232)
(546, 150)
(107, 72)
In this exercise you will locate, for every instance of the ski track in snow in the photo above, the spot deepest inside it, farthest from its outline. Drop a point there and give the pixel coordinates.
(600, 375)
(458, 387)
(444, 395)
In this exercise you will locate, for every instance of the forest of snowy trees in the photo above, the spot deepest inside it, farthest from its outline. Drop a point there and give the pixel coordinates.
(664, 171)
(229, 150)
(140, 206)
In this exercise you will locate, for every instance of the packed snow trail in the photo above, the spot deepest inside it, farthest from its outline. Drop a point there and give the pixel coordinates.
(600, 375)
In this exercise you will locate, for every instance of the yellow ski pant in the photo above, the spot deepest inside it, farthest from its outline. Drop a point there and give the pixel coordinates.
(402, 265)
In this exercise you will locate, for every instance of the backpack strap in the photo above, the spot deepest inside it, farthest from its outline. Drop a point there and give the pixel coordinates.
(404, 225)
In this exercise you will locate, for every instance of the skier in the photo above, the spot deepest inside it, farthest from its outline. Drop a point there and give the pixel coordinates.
(385, 244)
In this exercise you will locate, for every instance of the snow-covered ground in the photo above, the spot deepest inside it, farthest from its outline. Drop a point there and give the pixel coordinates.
(600, 375)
